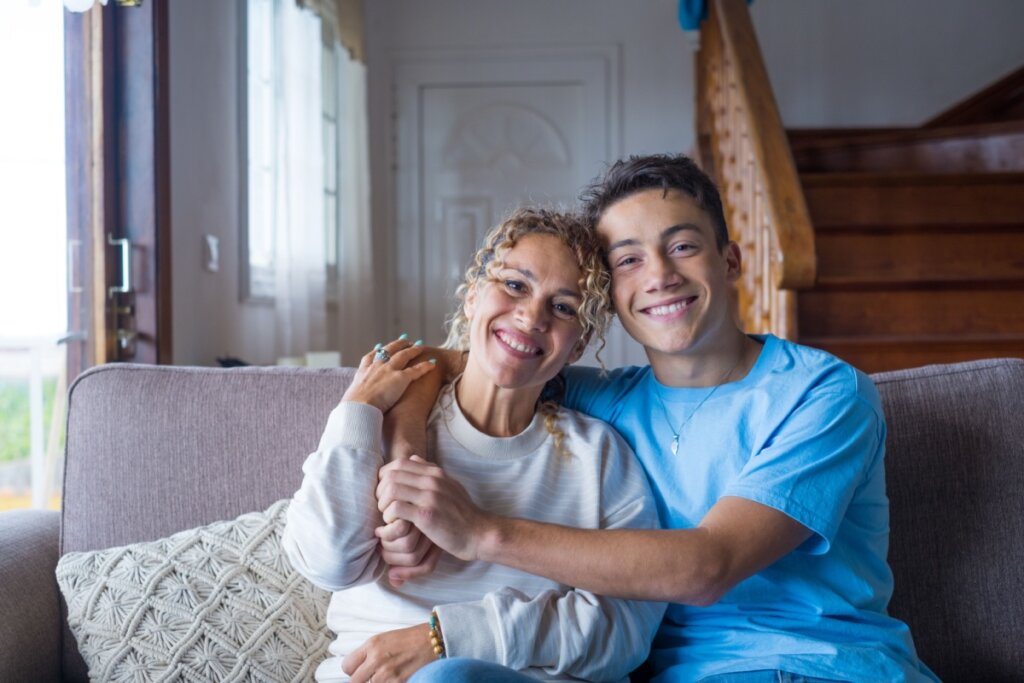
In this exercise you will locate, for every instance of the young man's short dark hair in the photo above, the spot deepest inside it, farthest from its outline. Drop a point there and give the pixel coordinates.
(665, 171)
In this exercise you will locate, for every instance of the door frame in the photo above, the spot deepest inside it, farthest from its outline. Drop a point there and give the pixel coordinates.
(118, 182)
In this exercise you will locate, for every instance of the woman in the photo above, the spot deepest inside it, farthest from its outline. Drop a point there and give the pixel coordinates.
(534, 296)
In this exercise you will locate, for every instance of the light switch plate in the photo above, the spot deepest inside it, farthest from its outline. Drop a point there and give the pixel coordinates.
(211, 253)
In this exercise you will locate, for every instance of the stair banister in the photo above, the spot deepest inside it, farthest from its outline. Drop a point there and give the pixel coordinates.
(742, 143)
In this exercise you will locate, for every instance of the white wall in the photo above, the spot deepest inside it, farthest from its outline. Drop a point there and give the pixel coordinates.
(832, 63)
(208, 318)
(884, 62)
(655, 110)
(657, 72)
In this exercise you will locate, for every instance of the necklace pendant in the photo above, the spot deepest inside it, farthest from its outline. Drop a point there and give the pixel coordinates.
(675, 444)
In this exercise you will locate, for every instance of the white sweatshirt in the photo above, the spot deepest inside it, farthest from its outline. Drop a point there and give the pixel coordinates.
(487, 611)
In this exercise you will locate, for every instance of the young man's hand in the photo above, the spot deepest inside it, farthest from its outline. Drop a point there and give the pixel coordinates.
(421, 493)
(403, 547)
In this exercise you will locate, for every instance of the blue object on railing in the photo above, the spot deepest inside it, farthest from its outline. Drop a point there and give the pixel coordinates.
(692, 12)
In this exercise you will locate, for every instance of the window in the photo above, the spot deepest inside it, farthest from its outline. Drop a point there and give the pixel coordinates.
(259, 124)
(330, 91)
(270, 79)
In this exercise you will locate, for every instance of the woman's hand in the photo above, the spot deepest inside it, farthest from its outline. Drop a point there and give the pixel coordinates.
(379, 382)
(408, 553)
(391, 656)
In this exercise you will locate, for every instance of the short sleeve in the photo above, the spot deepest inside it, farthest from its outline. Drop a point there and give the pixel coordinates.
(596, 393)
(626, 498)
(813, 464)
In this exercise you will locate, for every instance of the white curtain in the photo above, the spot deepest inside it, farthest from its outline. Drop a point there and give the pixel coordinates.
(357, 306)
(300, 278)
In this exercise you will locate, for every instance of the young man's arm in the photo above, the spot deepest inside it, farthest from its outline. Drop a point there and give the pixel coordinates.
(736, 539)
(405, 424)
(800, 483)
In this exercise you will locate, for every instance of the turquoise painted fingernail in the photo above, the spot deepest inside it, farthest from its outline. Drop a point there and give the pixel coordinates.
(403, 336)
(433, 360)
(418, 342)
(377, 346)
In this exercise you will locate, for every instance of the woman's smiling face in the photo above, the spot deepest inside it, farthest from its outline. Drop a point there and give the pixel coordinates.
(523, 324)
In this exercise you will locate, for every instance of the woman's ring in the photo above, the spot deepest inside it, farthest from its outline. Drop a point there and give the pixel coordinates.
(382, 355)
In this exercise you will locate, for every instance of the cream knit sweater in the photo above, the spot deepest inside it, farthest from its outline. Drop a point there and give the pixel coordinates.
(487, 611)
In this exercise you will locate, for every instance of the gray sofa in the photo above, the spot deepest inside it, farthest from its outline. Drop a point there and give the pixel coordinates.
(152, 450)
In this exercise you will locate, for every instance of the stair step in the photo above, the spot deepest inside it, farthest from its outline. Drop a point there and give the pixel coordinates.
(920, 256)
(999, 101)
(877, 354)
(943, 312)
(914, 198)
(989, 147)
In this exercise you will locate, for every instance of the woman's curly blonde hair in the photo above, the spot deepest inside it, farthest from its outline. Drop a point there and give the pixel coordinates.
(595, 310)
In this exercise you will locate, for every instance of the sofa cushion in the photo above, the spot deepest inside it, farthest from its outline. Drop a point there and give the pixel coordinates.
(219, 602)
(152, 450)
(29, 599)
(955, 477)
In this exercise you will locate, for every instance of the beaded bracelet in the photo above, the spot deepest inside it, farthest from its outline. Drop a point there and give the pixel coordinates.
(435, 636)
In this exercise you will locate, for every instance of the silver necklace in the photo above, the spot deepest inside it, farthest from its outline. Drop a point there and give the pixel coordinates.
(668, 417)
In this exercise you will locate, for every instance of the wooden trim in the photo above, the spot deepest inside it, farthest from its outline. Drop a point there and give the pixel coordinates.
(162, 173)
(800, 136)
(922, 227)
(102, 186)
(790, 218)
(879, 354)
(741, 142)
(118, 178)
(83, 165)
(865, 137)
(973, 148)
(916, 339)
(1001, 101)
(139, 141)
(914, 178)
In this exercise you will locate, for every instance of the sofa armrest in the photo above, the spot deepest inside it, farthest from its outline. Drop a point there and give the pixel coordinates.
(30, 621)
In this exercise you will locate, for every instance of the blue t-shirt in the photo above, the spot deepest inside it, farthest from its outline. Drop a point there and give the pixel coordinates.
(803, 433)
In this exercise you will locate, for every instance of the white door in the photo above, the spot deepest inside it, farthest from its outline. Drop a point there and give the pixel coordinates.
(479, 133)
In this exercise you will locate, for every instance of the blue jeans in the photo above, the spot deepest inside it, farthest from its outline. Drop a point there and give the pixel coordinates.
(464, 670)
(765, 676)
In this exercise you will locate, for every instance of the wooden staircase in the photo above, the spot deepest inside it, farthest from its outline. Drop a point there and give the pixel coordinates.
(917, 234)
(919, 239)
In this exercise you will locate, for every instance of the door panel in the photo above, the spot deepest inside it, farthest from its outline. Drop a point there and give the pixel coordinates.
(489, 150)
(86, 109)
(117, 185)
(143, 181)
(479, 133)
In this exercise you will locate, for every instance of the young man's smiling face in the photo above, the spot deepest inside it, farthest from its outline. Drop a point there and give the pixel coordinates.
(671, 284)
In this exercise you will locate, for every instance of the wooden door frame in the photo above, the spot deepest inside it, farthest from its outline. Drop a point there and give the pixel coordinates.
(118, 177)
(87, 112)
(141, 119)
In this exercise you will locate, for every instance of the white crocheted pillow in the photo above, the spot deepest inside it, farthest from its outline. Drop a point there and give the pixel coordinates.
(217, 603)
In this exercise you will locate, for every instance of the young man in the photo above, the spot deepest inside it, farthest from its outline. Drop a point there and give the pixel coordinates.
(766, 459)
